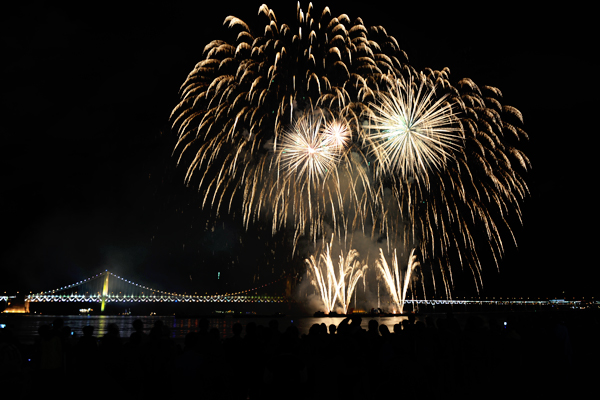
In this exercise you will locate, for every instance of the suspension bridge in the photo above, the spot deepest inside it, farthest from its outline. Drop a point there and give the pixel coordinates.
(107, 287)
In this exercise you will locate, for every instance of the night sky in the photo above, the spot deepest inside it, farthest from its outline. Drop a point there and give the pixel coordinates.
(88, 181)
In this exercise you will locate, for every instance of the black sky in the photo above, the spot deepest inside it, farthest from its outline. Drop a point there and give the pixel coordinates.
(88, 182)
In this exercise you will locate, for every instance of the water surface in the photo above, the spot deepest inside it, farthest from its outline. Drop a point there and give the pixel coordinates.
(26, 325)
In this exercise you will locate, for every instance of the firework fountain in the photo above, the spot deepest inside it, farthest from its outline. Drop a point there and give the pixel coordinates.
(397, 281)
(336, 285)
(324, 123)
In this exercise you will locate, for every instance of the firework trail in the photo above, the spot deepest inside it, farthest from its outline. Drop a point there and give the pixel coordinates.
(325, 122)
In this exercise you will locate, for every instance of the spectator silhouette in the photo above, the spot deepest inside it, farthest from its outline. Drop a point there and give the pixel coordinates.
(188, 368)
(138, 336)
(332, 329)
(12, 371)
(111, 341)
(373, 328)
(442, 360)
(86, 349)
(161, 352)
(384, 331)
(286, 374)
(50, 351)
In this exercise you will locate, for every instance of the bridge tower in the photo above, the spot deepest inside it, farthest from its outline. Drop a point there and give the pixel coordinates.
(104, 291)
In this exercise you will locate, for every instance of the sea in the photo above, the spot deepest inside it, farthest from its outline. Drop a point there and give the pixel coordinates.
(26, 326)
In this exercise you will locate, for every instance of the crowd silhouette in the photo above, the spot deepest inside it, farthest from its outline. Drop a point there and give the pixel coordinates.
(544, 354)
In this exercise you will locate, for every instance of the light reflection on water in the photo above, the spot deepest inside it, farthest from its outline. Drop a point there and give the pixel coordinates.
(26, 326)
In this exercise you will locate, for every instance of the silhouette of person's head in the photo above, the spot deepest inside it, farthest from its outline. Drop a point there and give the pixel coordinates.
(332, 329)
(237, 329)
(112, 330)
(88, 330)
(138, 325)
(323, 328)
(314, 330)
(373, 325)
(384, 330)
(158, 330)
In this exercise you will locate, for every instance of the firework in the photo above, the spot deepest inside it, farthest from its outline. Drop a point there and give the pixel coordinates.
(336, 285)
(240, 104)
(448, 211)
(396, 280)
(338, 134)
(315, 178)
(412, 131)
(324, 123)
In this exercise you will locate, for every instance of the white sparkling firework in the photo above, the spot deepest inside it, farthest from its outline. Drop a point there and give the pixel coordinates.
(338, 135)
(240, 101)
(411, 130)
(335, 283)
(307, 151)
(396, 280)
(433, 166)
(312, 179)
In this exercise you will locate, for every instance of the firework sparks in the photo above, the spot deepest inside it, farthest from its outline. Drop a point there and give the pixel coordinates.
(312, 180)
(338, 135)
(336, 285)
(238, 109)
(412, 131)
(324, 123)
(307, 150)
(396, 282)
